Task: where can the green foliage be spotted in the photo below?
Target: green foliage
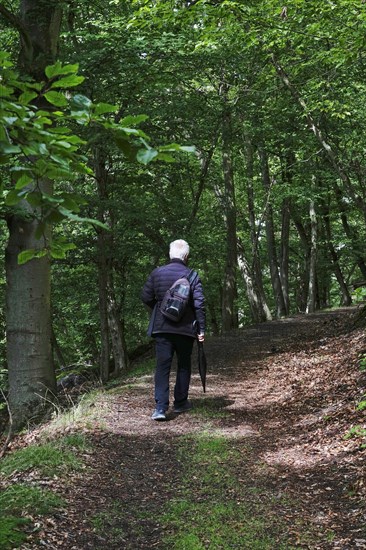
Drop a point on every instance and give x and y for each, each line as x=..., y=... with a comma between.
x=359, y=295
x=37, y=144
x=11, y=535
x=361, y=406
x=362, y=363
x=27, y=499
x=48, y=459
x=357, y=432
x=22, y=500
x=172, y=64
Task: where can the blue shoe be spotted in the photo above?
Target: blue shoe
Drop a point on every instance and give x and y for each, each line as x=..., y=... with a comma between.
x=187, y=406
x=158, y=415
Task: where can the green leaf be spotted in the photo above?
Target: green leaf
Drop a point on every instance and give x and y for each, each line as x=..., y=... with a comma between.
x=5, y=91
x=146, y=155
x=78, y=199
x=166, y=157
x=8, y=149
x=59, y=249
x=10, y=119
x=132, y=120
x=53, y=217
x=64, y=144
x=170, y=147
x=128, y=149
x=102, y=108
x=56, y=98
x=27, y=97
x=60, y=130
x=34, y=198
x=80, y=102
x=23, y=181
x=39, y=232
x=3, y=135
x=26, y=255
x=70, y=204
x=12, y=198
x=188, y=148
x=177, y=147
x=57, y=69
x=68, y=82
x=77, y=218
x=75, y=140
x=30, y=254
x=130, y=131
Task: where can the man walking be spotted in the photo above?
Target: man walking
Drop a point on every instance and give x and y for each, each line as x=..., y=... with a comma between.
x=174, y=336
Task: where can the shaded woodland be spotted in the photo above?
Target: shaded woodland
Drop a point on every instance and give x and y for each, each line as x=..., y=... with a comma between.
x=239, y=127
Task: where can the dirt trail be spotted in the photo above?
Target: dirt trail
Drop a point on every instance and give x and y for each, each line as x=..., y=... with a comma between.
x=289, y=388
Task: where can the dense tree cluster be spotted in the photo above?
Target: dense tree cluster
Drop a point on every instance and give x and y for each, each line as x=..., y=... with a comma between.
x=272, y=200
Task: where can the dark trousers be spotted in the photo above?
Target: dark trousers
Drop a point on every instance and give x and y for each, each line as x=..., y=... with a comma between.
x=166, y=345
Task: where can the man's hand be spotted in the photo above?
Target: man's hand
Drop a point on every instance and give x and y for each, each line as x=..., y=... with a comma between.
x=201, y=337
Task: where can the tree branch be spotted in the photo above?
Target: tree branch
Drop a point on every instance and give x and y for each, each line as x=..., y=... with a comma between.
x=314, y=127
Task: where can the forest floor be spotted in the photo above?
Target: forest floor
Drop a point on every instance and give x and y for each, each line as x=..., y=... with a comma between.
x=284, y=395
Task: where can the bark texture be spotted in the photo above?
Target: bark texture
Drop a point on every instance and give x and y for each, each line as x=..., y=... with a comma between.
x=28, y=304
x=28, y=325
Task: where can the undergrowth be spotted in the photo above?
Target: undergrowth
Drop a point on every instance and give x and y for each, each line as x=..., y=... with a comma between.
x=20, y=503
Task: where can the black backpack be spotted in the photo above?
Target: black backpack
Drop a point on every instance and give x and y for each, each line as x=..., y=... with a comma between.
x=176, y=298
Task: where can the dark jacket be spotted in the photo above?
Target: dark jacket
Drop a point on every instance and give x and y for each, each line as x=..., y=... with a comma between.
x=158, y=282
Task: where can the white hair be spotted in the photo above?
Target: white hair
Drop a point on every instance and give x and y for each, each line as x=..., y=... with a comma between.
x=179, y=249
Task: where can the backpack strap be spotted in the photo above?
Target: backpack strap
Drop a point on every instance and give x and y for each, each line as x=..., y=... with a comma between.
x=192, y=276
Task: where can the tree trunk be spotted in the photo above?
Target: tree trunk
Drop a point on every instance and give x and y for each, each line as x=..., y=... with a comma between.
x=116, y=330
x=103, y=308
x=310, y=307
x=271, y=243
x=301, y=289
x=259, y=307
x=28, y=305
x=259, y=310
x=111, y=325
x=40, y=24
x=205, y=161
x=285, y=252
x=346, y=299
x=57, y=351
x=32, y=379
x=357, y=248
x=229, y=316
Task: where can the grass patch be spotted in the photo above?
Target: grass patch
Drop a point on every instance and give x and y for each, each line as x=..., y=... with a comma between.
x=16, y=502
x=86, y=413
x=213, y=509
x=11, y=535
x=28, y=499
x=218, y=525
x=209, y=410
x=48, y=459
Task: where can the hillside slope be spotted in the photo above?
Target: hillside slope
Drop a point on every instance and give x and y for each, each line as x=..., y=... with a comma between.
x=283, y=394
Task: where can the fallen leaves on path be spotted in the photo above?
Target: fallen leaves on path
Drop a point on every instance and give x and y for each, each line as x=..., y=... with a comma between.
x=287, y=389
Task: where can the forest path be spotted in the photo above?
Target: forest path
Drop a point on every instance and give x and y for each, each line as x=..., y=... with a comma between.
x=283, y=394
